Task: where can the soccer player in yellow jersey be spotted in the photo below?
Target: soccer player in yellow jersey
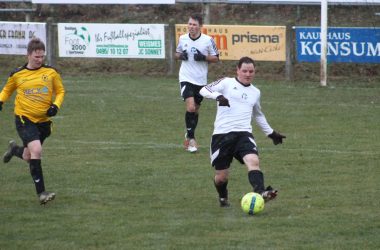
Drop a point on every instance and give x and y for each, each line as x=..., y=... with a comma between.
x=39, y=95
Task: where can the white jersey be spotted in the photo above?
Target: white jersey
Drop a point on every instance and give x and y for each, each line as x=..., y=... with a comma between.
x=193, y=71
x=244, y=105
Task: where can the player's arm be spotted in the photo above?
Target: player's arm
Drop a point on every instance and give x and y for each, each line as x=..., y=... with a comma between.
x=263, y=124
x=59, y=91
x=213, y=56
x=8, y=89
x=180, y=53
x=261, y=120
x=212, y=59
x=214, y=91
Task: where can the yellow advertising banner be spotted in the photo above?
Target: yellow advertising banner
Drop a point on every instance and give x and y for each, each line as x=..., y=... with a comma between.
x=262, y=43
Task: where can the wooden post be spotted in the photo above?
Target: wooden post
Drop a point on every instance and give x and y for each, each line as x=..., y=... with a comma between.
x=171, y=47
x=50, y=43
x=290, y=52
x=206, y=13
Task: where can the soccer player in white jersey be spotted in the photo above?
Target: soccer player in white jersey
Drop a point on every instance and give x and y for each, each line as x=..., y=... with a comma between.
x=238, y=103
x=196, y=50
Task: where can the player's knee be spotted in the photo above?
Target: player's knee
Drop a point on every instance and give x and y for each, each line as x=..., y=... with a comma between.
x=221, y=176
x=35, y=149
x=26, y=155
x=191, y=109
x=35, y=153
x=252, y=162
x=191, y=106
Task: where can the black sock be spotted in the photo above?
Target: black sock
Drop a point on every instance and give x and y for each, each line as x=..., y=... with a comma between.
x=191, y=119
x=36, y=172
x=256, y=178
x=18, y=151
x=221, y=188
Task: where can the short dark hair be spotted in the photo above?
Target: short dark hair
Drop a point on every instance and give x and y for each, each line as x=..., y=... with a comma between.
x=35, y=44
x=247, y=60
x=197, y=17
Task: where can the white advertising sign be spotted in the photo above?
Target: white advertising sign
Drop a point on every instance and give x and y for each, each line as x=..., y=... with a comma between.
x=105, y=2
x=313, y=2
x=111, y=40
x=15, y=36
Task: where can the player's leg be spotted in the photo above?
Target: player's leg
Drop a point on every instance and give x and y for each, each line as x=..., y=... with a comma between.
x=191, y=120
x=13, y=148
x=193, y=110
x=248, y=154
x=256, y=177
x=35, y=149
x=221, y=182
x=30, y=135
x=44, y=129
x=188, y=92
x=222, y=147
x=33, y=135
x=191, y=116
x=198, y=98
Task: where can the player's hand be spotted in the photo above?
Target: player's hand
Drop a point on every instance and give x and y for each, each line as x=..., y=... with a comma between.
x=276, y=137
x=199, y=56
x=223, y=101
x=52, y=111
x=184, y=56
x=1, y=106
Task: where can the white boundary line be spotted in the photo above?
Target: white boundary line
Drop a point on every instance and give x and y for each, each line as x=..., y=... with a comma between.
x=371, y=104
x=112, y=145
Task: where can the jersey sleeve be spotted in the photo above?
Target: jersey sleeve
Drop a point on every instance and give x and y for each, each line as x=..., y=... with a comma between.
x=179, y=48
x=260, y=119
x=59, y=90
x=8, y=89
x=213, y=90
x=213, y=50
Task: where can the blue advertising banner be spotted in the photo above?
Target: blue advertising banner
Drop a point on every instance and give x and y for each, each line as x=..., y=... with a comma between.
x=356, y=45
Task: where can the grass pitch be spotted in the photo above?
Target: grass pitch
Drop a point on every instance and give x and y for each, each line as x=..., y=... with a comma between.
x=123, y=181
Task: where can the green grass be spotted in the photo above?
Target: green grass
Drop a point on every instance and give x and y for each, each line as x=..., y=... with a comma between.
x=123, y=180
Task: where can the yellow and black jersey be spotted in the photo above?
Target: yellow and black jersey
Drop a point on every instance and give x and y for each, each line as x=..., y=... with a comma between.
x=35, y=89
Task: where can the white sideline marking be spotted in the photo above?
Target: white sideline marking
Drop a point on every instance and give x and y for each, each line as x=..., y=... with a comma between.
x=129, y=144
x=113, y=145
x=332, y=151
x=345, y=105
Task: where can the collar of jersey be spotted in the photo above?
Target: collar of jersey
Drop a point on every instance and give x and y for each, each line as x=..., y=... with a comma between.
x=242, y=83
x=33, y=69
x=195, y=38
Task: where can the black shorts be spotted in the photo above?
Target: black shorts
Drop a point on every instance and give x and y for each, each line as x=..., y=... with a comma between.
x=30, y=131
x=225, y=147
x=191, y=90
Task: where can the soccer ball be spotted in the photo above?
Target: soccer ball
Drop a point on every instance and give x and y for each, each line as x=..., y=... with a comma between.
x=252, y=203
